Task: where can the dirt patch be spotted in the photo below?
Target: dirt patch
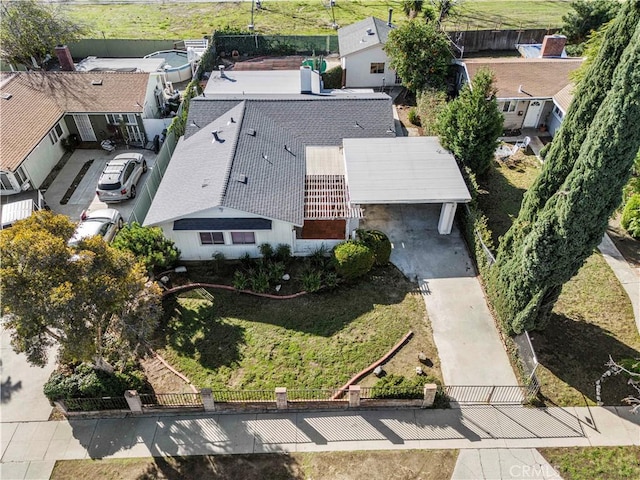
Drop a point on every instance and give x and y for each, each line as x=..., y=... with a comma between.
x=403, y=115
x=629, y=247
x=162, y=379
x=377, y=465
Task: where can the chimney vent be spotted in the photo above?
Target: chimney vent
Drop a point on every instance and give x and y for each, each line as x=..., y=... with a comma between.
x=251, y=132
x=65, y=59
x=6, y=96
x=389, y=24
x=216, y=137
x=369, y=31
x=553, y=46
x=97, y=82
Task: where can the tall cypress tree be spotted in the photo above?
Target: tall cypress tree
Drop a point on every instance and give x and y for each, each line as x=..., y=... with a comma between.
x=526, y=283
x=566, y=144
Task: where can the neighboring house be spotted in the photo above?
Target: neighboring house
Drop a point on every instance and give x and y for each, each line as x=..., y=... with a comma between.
x=20, y=206
x=278, y=167
x=40, y=109
x=364, y=62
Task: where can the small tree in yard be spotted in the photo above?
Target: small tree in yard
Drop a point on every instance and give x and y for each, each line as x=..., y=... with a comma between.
x=419, y=53
x=82, y=298
x=148, y=244
x=353, y=259
x=429, y=103
x=470, y=125
x=587, y=16
x=30, y=30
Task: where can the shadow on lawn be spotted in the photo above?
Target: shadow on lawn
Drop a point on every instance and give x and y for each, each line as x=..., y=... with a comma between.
x=576, y=352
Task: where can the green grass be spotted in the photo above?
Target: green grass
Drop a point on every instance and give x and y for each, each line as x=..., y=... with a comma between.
x=377, y=465
x=310, y=17
x=603, y=463
x=315, y=341
x=592, y=319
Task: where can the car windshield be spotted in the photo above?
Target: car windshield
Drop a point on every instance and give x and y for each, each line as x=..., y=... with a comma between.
x=88, y=228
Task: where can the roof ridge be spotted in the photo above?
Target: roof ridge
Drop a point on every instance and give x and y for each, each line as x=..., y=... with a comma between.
x=234, y=147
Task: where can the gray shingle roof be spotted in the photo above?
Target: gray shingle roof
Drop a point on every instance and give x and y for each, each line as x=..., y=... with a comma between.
x=274, y=186
x=355, y=37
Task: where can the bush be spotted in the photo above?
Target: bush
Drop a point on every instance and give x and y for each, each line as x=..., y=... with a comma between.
x=631, y=216
x=86, y=382
x=266, y=250
x=413, y=117
x=430, y=102
x=259, y=281
x=312, y=281
x=240, y=280
x=283, y=252
x=379, y=244
x=148, y=244
x=332, y=78
x=353, y=259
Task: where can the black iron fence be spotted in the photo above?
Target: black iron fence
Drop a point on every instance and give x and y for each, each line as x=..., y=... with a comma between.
x=95, y=404
x=171, y=400
x=244, y=395
x=303, y=395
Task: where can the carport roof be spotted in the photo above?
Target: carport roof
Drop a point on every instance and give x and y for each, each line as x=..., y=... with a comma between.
x=402, y=170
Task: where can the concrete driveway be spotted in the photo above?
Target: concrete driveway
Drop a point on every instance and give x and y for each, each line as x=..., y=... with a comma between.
x=84, y=197
x=469, y=346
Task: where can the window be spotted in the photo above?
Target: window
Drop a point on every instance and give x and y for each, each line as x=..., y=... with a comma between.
x=55, y=133
x=128, y=171
x=211, y=238
x=116, y=118
x=5, y=183
x=58, y=130
x=21, y=176
x=509, y=106
x=243, y=238
x=557, y=112
x=377, y=68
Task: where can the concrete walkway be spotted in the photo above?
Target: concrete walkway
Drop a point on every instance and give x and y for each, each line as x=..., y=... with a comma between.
x=469, y=347
x=29, y=450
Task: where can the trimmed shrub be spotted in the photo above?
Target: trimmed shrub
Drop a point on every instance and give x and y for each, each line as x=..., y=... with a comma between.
x=631, y=216
x=332, y=78
x=379, y=244
x=148, y=244
x=266, y=250
x=283, y=253
x=86, y=382
x=353, y=259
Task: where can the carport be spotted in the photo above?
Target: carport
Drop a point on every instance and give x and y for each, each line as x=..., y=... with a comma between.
x=409, y=170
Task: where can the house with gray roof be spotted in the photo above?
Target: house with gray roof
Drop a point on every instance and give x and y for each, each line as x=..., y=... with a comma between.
x=364, y=62
x=258, y=168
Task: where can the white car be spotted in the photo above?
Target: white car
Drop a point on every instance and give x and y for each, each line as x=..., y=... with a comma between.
x=120, y=176
x=104, y=222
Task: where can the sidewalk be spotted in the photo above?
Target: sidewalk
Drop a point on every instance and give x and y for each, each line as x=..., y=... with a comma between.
x=34, y=446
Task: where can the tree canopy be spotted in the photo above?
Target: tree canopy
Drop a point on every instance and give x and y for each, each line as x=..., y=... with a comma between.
x=81, y=298
x=470, y=125
x=587, y=16
x=148, y=244
x=31, y=29
x=548, y=243
x=419, y=53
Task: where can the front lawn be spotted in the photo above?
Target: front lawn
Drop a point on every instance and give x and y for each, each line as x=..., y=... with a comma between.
x=587, y=463
x=592, y=319
x=377, y=465
x=315, y=341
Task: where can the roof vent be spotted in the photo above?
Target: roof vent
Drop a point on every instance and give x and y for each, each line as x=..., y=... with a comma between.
x=96, y=82
x=242, y=178
x=231, y=121
x=216, y=137
x=369, y=31
x=251, y=131
x=6, y=96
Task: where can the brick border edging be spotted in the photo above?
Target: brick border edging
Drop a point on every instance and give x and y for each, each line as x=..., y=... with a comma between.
x=371, y=367
x=192, y=286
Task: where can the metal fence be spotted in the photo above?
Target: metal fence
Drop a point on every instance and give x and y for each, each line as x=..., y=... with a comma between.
x=490, y=394
x=95, y=404
x=171, y=400
x=244, y=395
x=528, y=356
x=301, y=395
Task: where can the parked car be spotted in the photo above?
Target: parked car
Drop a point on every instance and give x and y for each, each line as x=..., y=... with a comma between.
x=105, y=222
x=120, y=176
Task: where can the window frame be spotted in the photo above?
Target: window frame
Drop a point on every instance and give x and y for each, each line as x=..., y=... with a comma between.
x=53, y=135
x=509, y=106
x=4, y=180
x=20, y=175
x=557, y=112
x=244, y=242
x=213, y=240
x=375, y=68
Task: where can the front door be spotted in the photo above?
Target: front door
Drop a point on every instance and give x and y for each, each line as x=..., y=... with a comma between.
x=533, y=114
x=84, y=128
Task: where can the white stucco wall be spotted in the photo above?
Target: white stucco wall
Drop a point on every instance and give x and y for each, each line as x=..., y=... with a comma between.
x=43, y=158
x=188, y=241
x=358, y=67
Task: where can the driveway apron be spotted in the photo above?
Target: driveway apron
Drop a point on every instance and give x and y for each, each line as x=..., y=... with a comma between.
x=470, y=349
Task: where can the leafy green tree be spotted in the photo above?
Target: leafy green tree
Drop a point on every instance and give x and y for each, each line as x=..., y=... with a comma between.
x=589, y=94
x=31, y=29
x=412, y=8
x=148, y=244
x=444, y=9
x=587, y=16
x=420, y=54
x=470, y=125
x=81, y=298
x=526, y=283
